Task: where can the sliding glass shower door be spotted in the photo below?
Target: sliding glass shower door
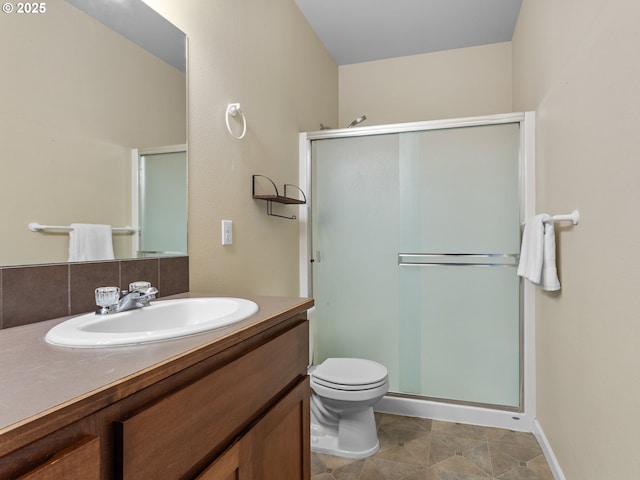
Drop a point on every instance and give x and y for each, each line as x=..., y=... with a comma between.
x=162, y=183
x=415, y=238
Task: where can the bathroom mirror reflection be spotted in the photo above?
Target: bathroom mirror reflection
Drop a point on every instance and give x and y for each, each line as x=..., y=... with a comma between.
x=78, y=101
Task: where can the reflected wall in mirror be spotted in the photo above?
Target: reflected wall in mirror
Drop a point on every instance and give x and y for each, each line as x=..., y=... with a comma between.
x=77, y=100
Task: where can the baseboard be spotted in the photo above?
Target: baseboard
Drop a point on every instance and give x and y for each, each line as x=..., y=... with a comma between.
x=454, y=413
x=548, y=452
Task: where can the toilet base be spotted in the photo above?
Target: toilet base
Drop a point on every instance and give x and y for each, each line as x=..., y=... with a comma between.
x=354, y=436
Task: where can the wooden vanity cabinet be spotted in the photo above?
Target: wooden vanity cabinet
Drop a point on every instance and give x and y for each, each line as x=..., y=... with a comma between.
x=241, y=412
x=174, y=436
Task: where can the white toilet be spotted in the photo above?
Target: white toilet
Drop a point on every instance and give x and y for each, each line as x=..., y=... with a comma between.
x=344, y=391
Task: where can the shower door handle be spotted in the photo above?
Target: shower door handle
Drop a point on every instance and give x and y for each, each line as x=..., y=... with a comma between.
x=459, y=259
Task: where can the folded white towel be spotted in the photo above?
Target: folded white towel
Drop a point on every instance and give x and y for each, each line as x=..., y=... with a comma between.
x=89, y=242
x=538, y=253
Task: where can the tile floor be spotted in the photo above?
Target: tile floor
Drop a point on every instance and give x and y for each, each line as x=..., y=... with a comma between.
x=423, y=449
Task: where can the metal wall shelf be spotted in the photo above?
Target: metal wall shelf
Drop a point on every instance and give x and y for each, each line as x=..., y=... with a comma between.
x=276, y=197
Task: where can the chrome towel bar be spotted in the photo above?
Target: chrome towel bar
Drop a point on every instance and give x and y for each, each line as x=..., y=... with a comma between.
x=36, y=227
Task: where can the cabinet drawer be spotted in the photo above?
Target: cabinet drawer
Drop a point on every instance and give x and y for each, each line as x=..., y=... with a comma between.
x=181, y=431
x=81, y=460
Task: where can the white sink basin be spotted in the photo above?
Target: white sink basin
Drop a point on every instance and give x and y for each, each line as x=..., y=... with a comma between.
x=162, y=320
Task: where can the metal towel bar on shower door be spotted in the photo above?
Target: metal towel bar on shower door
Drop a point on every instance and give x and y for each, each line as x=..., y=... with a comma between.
x=459, y=259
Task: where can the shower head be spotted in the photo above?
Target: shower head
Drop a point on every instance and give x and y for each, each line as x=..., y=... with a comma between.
x=358, y=120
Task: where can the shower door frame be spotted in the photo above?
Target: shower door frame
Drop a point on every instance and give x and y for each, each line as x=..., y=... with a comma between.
x=521, y=420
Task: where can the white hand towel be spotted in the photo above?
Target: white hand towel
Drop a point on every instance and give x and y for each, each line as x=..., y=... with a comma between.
x=538, y=253
x=89, y=242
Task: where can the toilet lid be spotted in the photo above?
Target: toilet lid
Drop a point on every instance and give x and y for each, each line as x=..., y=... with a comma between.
x=350, y=372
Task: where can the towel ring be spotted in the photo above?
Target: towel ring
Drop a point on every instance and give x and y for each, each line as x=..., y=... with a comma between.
x=232, y=110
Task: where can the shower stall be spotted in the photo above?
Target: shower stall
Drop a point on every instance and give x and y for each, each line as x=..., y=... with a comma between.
x=409, y=246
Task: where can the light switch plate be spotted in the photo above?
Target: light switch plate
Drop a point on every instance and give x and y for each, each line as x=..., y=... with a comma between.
x=227, y=232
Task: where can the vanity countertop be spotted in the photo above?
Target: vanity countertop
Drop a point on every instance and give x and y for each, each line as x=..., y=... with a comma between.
x=41, y=380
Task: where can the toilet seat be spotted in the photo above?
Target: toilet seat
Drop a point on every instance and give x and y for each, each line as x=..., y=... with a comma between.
x=350, y=388
x=350, y=374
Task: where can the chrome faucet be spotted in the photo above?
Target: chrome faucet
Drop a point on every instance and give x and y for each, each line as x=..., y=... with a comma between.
x=139, y=295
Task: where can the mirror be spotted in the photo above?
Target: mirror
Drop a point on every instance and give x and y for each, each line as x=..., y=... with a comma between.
x=78, y=100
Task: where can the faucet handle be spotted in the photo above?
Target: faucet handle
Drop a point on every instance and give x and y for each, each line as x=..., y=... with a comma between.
x=143, y=289
x=139, y=285
x=107, y=296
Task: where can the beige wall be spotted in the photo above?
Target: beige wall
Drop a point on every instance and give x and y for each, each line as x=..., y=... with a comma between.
x=75, y=97
x=450, y=84
x=576, y=63
x=263, y=54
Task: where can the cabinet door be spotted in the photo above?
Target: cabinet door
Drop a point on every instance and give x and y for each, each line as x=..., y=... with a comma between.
x=278, y=447
x=226, y=466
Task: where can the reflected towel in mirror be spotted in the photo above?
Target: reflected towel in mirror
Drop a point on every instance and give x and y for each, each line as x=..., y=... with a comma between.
x=89, y=242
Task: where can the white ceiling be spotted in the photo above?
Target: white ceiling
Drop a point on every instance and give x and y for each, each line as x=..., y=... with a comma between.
x=356, y=31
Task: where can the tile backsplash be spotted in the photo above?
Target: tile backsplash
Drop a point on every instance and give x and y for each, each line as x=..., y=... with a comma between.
x=35, y=293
